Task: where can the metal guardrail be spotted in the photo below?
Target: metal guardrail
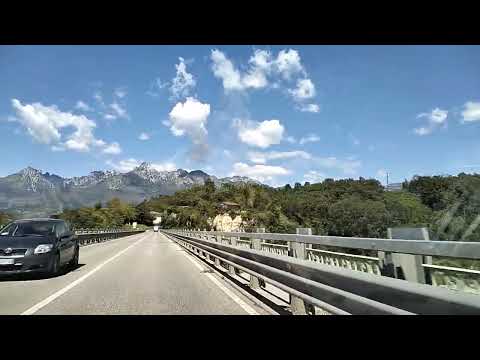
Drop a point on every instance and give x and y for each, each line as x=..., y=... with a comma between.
x=335, y=289
x=91, y=236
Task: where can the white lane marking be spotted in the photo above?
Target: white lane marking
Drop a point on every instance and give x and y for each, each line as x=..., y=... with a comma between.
x=234, y=297
x=60, y=292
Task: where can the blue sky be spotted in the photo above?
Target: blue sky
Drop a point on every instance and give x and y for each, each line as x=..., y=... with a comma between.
x=276, y=113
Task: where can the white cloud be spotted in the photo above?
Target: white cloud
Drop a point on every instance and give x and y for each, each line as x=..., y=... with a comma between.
x=109, y=117
x=190, y=118
x=258, y=172
x=124, y=165
x=118, y=110
x=166, y=166
x=260, y=134
x=113, y=149
x=304, y=90
x=127, y=165
x=313, y=108
x=471, y=111
x=144, y=136
x=227, y=153
x=183, y=82
x=224, y=69
x=314, y=176
x=44, y=124
x=156, y=86
x=348, y=166
x=435, y=118
x=261, y=66
x=80, y=105
x=288, y=63
x=264, y=157
x=120, y=92
x=309, y=138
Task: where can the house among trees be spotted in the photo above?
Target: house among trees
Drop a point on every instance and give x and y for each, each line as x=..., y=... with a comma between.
x=228, y=205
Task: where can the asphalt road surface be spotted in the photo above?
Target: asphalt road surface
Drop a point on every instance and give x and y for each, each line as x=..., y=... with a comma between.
x=143, y=274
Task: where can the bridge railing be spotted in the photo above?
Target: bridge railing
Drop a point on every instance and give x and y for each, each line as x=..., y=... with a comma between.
x=91, y=236
x=390, y=266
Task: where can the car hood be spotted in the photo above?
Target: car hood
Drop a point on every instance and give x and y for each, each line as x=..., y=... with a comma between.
x=23, y=241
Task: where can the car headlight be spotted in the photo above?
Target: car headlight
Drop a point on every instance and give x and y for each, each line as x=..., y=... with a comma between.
x=42, y=249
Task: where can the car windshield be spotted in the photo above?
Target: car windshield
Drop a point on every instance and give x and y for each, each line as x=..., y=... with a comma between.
x=34, y=228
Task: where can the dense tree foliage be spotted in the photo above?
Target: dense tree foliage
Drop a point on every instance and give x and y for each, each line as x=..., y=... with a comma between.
x=448, y=205
x=4, y=219
x=115, y=214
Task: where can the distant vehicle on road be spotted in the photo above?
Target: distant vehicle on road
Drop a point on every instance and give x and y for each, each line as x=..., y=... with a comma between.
x=155, y=228
x=37, y=246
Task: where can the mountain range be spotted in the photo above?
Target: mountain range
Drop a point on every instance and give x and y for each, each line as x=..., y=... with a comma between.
x=34, y=193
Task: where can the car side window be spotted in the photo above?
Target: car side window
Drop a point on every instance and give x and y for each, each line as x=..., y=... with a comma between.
x=60, y=229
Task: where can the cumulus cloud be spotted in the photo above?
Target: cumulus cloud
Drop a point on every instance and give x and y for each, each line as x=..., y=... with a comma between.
x=258, y=172
x=262, y=65
x=183, y=82
x=471, y=111
x=304, y=90
x=46, y=123
x=314, y=176
x=224, y=69
x=309, y=138
x=80, y=105
x=190, y=119
x=264, y=157
x=127, y=165
x=288, y=63
x=261, y=134
x=436, y=118
x=144, y=136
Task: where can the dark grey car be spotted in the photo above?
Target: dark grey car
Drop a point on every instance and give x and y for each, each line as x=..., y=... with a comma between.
x=37, y=246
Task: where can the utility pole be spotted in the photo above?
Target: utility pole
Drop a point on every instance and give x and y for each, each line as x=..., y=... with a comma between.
x=387, y=179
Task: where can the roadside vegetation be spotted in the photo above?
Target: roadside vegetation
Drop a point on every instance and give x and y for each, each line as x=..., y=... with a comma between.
x=448, y=205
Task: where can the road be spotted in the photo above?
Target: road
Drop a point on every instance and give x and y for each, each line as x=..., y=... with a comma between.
x=143, y=274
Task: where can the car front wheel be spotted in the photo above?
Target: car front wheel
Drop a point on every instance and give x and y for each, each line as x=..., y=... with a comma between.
x=54, y=265
x=74, y=262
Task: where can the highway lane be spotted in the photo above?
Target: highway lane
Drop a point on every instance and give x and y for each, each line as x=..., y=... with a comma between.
x=140, y=274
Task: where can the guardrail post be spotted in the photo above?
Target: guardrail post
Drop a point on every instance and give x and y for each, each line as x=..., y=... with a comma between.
x=231, y=268
x=298, y=250
x=256, y=244
x=218, y=239
x=406, y=266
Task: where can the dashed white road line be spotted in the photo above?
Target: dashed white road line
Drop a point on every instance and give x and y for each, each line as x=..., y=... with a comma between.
x=62, y=291
x=229, y=293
